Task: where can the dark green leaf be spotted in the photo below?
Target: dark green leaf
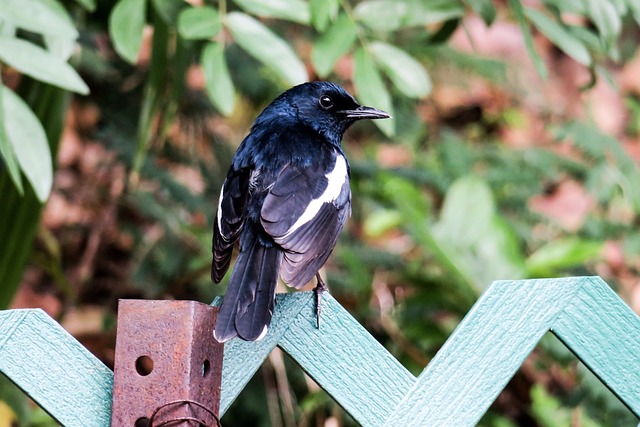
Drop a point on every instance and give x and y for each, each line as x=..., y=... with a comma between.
x=407, y=74
x=562, y=38
x=6, y=150
x=444, y=33
x=484, y=8
x=518, y=11
x=371, y=89
x=14, y=400
x=266, y=47
x=26, y=135
x=42, y=17
x=390, y=15
x=291, y=10
x=168, y=10
x=40, y=64
x=334, y=43
x=126, y=24
x=199, y=23
x=219, y=85
x=323, y=12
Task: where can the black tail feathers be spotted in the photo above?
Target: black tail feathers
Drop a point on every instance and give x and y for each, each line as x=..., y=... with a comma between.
x=247, y=307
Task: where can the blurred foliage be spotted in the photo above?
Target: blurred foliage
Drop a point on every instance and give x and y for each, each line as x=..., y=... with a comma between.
x=488, y=170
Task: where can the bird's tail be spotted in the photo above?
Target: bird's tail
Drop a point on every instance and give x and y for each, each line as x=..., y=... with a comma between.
x=247, y=307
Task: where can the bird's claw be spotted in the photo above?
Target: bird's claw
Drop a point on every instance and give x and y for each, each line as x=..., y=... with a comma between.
x=319, y=289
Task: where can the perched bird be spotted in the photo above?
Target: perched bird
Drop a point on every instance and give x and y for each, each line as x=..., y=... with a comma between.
x=285, y=199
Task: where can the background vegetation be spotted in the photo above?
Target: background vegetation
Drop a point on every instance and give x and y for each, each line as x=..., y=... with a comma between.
x=513, y=153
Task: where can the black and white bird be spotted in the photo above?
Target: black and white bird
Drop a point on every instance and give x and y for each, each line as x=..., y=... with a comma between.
x=285, y=199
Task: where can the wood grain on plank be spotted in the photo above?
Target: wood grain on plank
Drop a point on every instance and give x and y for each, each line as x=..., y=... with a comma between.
x=52, y=367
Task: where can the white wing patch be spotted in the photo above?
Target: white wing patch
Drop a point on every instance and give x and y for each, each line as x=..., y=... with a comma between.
x=336, y=179
x=263, y=333
x=220, y=210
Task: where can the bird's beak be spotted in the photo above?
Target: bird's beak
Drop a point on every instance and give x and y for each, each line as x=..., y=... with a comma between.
x=363, y=112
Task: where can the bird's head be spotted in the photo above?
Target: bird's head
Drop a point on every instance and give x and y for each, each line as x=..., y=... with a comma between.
x=325, y=107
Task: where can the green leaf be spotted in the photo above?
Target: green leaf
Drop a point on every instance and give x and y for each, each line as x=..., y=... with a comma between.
x=390, y=15
x=415, y=215
x=606, y=19
x=39, y=16
x=168, y=10
x=266, y=47
x=380, y=221
x=556, y=255
x=484, y=8
x=6, y=151
x=407, y=74
x=634, y=7
x=497, y=254
x=562, y=38
x=60, y=46
x=89, y=5
x=199, y=23
x=126, y=24
x=473, y=237
x=323, y=12
x=291, y=10
x=588, y=37
x=518, y=11
x=566, y=6
x=334, y=43
x=456, y=224
x=40, y=64
x=26, y=135
x=371, y=89
x=218, y=81
x=550, y=412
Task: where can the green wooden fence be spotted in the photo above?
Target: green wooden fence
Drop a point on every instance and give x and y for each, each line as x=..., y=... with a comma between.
x=456, y=388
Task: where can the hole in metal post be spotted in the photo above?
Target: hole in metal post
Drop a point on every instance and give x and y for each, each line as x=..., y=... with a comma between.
x=142, y=422
x=206, y=367
x=144, y=365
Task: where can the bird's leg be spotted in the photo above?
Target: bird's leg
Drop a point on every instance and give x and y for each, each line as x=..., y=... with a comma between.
x=319, y=289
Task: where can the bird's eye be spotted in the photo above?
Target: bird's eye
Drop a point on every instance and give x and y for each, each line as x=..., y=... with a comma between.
x=326, y=102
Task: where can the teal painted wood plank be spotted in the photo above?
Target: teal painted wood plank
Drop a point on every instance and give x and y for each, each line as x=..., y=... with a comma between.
x=347, y=362
x=54, y=369
x=604, y=333
x=455, y=389
x=484, y=352
x=242, y=359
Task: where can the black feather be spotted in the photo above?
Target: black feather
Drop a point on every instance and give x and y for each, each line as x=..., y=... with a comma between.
x=248, y=304
x=232, y=204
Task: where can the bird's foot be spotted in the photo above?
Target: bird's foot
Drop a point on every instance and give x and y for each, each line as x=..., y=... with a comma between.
x=319, y=289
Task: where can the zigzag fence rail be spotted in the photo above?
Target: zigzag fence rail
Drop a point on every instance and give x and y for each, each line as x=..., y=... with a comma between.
x=456, y=388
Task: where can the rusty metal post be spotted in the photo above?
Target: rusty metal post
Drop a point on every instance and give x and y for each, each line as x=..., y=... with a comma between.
x=167, y=366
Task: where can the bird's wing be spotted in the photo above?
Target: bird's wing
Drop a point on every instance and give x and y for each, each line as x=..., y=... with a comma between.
x=304, y=212
x=229, y=219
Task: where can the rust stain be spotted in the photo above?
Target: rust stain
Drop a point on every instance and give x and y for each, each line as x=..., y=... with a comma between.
x=168, y=366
